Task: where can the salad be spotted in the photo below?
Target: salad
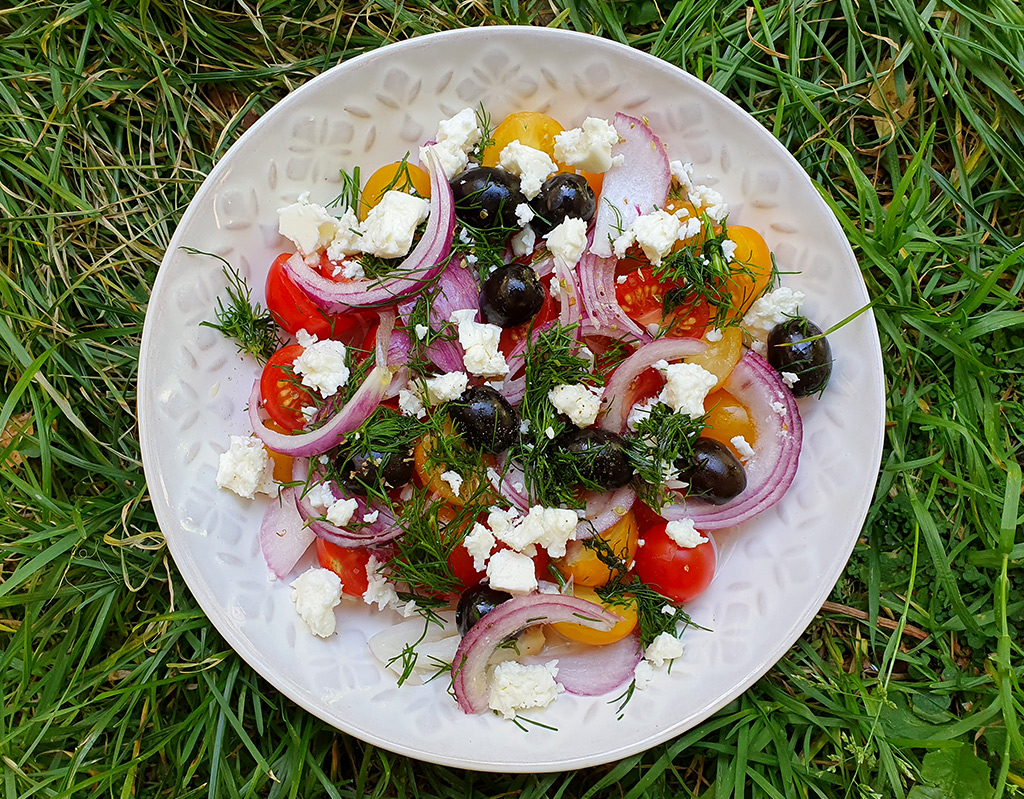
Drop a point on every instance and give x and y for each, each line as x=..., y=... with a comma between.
x=523, y=375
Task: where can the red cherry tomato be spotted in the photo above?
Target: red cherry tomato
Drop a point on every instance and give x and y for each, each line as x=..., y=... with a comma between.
x=465, y=572
x=642, y=297
x=293, y=310
x=348, y=564
x=680, y=573
x=511, y=336
x=283, y=397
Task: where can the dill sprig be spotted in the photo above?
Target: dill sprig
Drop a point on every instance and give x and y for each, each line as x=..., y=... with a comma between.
x=658, y=443
x=553, y=477
x=655, y=612
x=351, y=191
x=483, y=249
x=252, y=327
x=419, y=319
x=483, y=119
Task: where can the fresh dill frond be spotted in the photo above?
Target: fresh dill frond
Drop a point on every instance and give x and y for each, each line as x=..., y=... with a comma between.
x=483, y=249
x=419, y=321
x=402, y=180
x=659, y=441
x=655, y=612
x=483, y=120
x=252, y=327
x=351, y=191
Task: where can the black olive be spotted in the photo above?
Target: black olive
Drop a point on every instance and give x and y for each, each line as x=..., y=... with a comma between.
x=599, y=456
x=486, y=197
x=562, y=196
x=475, y=603
x=810, y=361
x=485, y=419
x=714, y=474
x=378, y=469
x=512, y=295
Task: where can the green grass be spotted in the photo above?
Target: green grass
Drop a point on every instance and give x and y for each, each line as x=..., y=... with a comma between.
x=906, y=685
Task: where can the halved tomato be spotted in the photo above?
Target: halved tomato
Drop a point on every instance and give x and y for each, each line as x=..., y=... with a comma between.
x=283, y=396
x=399, y=176
x=294, y=311
x=642, y=296
x=348, y=564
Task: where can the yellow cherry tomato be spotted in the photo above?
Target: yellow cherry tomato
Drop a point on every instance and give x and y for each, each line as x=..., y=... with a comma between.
x=399, y=176
x=428, y=468
x=752, y=267
x=282, y=463
x=531, y=128
x=581, y=562
x=727, y=418
x=719, y=357
x=624, y=607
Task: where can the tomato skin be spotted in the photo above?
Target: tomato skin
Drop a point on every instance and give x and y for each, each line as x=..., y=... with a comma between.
x=582, y=564
x=727, y=418
x=625, y=607
x=530, y=128
x=294, y=311
x=399, y=176
x=348, y=564
x=680, y=573
x=753, y=255
x=282, y=398
x=642, y=296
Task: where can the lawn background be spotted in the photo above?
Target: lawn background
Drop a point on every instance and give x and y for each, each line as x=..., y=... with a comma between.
x=910, y=119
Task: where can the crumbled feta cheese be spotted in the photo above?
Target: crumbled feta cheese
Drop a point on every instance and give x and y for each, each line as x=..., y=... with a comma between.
x=371, y=517
x=322, y=366
x=480, y=341
x=320, y=495
x=579, y=402
x=550, y=528
x=451, y=158
x=690, y=228
x=524, y=242
x=351, y=269
x=307, y=225
x=567, y=241
x=379, y=590
x=531, y=165
x=344, y=242
x=316, y=593
x=461, y=130
x=790, y=378
x=514, y=686
x=621, y=279
x=662, y=649
x=772, y=309
x=446, y=387
x=524, y=426
x=245, y=468
x=410, y=403
x=713, y=335
x=479, y=542
x=682, y=174
x=549, y=432
x=656, y=233
x=511, y=571
x=709, y=202
x=686, y=386
x=778, y=408
x=389, y=227
x=640, y=412
x=421, y=331
x=742, y=447
x=643, y=674
x=454, y=481
x=588, y=147
x=524, y=214
x=341, y=511
x=728, y=250
x=684, y=534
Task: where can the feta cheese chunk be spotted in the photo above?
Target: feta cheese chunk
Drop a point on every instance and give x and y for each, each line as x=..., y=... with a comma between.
x=480, y=341
x=389, y=227
x=524, y=241
x=567, y=242
x=479, y=542
x=684, y=534
x=379, y=590
x=550, y=528
x=656, y=232
x=322, y=366
x=524, y=214
x=531, y=165
x=742, y=447
x=588, y=147
x=446, y=387
x=245, y=468
x=341, y=511
x=772, y=309
x=511, y=571
x=455, y=139
x=307, y=225
x=410, y=403
x=662, y=649
x=454, y=481
x=514, y=686
x=316, y=593
x=643, y=674
x=346, y=242
x=579, y=402
x=686, y=386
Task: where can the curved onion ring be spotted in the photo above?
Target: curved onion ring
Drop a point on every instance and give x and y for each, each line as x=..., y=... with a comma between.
x=589, y=670
x=597, y=285
x=617, y=390
x=420, y=266
x=772, y=467
x=469, y=668
x=604, y=510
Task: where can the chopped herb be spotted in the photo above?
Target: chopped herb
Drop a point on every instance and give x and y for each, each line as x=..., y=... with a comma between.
x=252, y=327
x=659, y=441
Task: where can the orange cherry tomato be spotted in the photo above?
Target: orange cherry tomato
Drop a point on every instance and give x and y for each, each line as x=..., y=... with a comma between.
x=582, y=564
x=624, y=607
x=719, y=357
x=531, y=129
x=399, y=176
x=727, y=418
x=752, y=267
x=282, y=462
x=282, y=395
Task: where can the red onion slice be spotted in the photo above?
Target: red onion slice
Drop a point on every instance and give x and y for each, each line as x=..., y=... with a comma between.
x=283, y=536
x=456, y=291
x=634, y=188
x=604, y=510
x=469, y=668
x=352, y=414
x=616, y=392
x=772, y=467
x=588, y=670
x=420, y=266
x=601, y=306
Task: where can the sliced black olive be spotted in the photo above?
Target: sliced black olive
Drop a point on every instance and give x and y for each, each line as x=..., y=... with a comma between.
x=378, y=470
x=486, y=197
x=475, y=603
x=562, y=196
x=485, y=419
x=599, y=456
x=512, y=295
x=714, y=474
x=810, y=361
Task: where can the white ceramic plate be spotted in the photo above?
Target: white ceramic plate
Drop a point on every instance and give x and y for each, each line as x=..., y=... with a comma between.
x=193, y=387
